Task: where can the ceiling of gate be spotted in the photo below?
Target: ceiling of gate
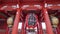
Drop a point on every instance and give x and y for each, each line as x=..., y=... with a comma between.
x=29, y=1
x=4, y=3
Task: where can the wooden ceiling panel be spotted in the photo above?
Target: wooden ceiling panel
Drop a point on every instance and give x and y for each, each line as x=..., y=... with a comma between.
x=15, y=1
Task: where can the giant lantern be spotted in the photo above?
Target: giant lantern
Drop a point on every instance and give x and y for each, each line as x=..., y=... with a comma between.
x=10, y=21
x=54, y=20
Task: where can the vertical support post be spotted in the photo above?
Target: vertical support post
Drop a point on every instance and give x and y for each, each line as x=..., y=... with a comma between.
x=38, y=29
x=47, y=21
x=58, y=30
x=41, y=31
x=7, y=30
x=17, y=19
x=40, y=21
x=23, y=29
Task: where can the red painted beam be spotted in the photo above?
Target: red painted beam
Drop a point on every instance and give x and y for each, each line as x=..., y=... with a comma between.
x=49, y=29
x=54, y=7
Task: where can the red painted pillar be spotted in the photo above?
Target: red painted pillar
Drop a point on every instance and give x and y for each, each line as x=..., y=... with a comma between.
x=23, y=28
x=17, y=19
x=41, y=31
x=49, y=29
x=58, y=28
x=40, y=21
x=7, y=30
